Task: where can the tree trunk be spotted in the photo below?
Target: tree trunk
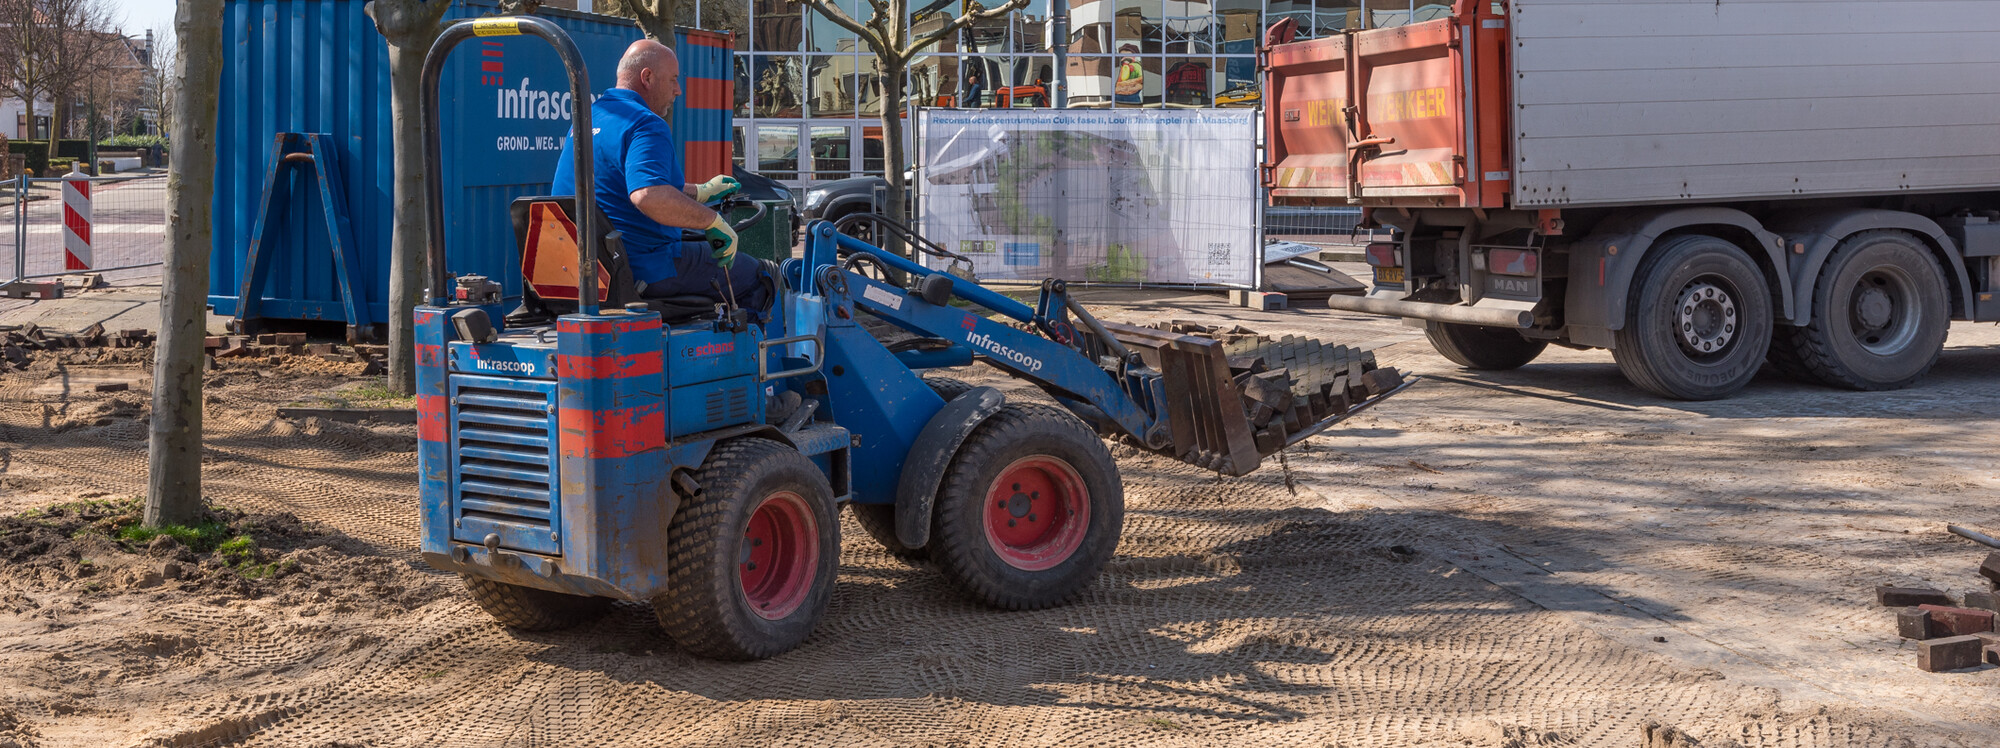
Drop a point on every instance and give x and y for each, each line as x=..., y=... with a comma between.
x=408, y=238
x=173, y=481
x=893, y=159
x=410, y=26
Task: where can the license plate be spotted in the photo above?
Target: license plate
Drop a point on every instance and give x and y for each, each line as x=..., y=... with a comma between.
x=1388, y=275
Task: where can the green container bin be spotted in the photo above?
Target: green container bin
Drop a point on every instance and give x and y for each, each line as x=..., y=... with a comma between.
x=771, y=237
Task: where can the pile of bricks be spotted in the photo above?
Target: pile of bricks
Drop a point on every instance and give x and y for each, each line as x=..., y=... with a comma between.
x=19, y=341
x=294, y=344
x=1950, y=635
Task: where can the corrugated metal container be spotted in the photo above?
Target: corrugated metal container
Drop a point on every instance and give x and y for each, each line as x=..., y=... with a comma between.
x=319, y=66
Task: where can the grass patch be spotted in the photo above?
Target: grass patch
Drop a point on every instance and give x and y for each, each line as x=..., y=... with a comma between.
x=1163, y=723
x=201, y=538
x=375, y=394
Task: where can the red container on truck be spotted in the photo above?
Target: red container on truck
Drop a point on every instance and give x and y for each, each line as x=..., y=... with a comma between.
x=1697, y=187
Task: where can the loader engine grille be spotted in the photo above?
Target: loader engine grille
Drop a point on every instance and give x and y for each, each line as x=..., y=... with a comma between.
x=504, y=475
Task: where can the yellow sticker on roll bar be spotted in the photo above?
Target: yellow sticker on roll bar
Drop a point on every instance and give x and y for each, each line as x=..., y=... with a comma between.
x=496, y=27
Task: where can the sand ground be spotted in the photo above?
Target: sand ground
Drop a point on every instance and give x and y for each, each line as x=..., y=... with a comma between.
x=1544, y=557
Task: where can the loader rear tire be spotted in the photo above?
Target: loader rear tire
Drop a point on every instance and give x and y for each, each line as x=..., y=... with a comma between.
x=1030, y=509
x=753, y=555
x=1483, y=348
x=530, y=608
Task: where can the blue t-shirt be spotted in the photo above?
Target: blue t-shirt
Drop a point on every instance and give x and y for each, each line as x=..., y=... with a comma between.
x=634, y=150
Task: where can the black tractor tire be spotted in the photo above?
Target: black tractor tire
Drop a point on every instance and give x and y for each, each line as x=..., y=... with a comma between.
x=947, y=387
x=1483, y=348
x=1056, y=544
x=530, y=608
x=879, y=520
x=1880, y=314
x=711, y=608
x=1698, y=320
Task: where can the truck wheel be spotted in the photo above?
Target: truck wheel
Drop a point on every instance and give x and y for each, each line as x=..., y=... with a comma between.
x=1030, y=509
x=1880, y=315
x=532, y=609
x=1698, y=322
x=753, y=556
x=879, y=520
x=1483, y=348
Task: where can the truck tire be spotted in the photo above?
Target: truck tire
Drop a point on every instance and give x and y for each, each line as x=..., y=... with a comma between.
x=530, y=608
x=1483, y=348
x=1698, y=321
x=879, y=520
x=1880, y=315
x=753, y=555
x=1030, y=509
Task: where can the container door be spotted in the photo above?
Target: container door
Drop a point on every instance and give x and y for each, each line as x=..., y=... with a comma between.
x=1306, y=127
x=1410, y=142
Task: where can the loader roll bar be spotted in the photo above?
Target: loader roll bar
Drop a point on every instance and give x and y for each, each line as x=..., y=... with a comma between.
x=579, y=90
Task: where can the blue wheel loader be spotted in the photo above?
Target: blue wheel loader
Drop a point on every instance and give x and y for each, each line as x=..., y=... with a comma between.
x=694, y=456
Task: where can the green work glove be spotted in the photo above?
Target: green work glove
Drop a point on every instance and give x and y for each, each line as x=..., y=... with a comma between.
x=716, y=189
x=723, y=239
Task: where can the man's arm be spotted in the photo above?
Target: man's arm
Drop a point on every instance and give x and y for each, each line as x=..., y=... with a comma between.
x=672, y=207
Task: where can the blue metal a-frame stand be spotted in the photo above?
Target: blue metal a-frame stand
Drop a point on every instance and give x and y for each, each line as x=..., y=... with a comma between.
x=316, y=153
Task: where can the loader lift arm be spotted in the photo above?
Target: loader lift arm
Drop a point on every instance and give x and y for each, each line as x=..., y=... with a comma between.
x=1173, y=394
x=1115, y=390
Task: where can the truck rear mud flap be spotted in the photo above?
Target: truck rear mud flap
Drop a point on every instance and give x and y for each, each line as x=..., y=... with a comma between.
x=1235, y=397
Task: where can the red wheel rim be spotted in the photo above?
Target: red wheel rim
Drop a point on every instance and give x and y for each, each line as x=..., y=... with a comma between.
x=1037, y=510
x=780, y=555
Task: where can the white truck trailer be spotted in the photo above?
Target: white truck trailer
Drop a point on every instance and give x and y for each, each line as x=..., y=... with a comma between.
x=1697, y=186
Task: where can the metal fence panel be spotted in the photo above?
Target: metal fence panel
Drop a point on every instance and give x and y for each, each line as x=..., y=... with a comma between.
x=127, y=226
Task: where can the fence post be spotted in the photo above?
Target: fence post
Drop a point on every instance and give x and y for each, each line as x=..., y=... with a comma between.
x=21, y=225
x=76, y=219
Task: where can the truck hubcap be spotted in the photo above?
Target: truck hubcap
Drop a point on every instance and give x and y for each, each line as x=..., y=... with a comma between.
x=1037, y=510
x=1706, y=318
x=1879, y=312
x=780, y=555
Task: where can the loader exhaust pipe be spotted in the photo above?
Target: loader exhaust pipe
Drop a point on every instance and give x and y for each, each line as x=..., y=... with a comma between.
x=1452, y=313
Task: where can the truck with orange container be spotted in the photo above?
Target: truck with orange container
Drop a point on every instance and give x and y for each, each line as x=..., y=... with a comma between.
x=1698, y=187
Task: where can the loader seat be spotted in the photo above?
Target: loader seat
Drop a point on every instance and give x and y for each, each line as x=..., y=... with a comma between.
x=545, y=237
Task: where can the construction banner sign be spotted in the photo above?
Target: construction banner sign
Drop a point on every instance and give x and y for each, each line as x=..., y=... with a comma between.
x=1113, y=196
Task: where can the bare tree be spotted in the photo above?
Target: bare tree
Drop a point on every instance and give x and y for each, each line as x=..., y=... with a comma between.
x=410, y=26
x=173, y=482
x=887, y=34
x=24, y=69
x=656, y=18
x=162, y=87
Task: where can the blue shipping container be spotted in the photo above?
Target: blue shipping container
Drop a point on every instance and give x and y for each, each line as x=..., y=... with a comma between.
x=318, y=66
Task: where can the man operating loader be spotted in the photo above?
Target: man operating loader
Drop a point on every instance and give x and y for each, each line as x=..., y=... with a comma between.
x=643, y=191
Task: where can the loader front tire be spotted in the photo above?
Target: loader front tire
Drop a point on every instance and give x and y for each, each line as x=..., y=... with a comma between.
x=532, y=609
x=1030, y=509
x=1483, y=348
x=753, y=555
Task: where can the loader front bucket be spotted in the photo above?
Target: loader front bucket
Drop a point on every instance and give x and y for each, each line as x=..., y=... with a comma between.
x=1234, y=397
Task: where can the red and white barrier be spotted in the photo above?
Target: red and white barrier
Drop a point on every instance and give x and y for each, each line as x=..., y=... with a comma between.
x=76, y=219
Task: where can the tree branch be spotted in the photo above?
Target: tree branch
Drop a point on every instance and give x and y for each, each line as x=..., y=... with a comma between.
x=919, y=44
x=877, y=42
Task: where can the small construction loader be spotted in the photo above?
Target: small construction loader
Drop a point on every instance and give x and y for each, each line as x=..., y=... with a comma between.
x=694, y=455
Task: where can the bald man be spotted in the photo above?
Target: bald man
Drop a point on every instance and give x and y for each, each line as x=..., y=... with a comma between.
x=643, y=190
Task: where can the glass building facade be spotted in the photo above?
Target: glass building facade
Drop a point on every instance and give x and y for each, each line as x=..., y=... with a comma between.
x=809, y=94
